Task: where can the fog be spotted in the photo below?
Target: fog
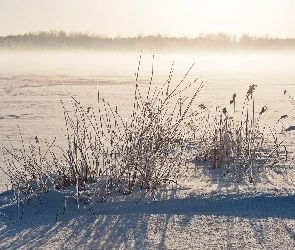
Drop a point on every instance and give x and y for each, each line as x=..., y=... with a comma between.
x=32, y=83
x=89, y=63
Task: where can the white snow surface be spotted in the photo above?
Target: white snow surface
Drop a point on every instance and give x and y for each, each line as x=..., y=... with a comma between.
x=205, y=212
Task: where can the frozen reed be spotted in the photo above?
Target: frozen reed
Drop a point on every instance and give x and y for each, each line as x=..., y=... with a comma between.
x=107, y=153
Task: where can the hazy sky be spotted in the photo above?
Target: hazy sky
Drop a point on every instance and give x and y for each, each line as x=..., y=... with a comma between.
x=150, y=17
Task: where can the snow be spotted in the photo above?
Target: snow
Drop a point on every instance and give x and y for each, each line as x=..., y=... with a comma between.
x=207, y=211
x=198, y=215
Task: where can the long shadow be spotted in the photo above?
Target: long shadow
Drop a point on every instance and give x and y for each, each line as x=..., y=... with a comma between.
x=259, y=207
x=126, y=225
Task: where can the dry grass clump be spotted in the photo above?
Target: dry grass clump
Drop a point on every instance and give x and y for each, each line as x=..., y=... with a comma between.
x=154, y=139
x=240, y=147
x=144, y=151
x=107, y=153
x=31, y=171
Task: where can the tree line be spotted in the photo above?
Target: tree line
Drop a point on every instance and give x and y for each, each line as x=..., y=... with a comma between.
x=208, y=42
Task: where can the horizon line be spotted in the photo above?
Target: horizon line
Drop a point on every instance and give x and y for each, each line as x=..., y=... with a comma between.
x=141, y=35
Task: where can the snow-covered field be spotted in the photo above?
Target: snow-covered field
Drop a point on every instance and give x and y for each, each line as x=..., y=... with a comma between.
x=205, y=212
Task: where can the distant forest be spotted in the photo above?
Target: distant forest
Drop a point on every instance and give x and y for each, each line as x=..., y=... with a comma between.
x=204, y=42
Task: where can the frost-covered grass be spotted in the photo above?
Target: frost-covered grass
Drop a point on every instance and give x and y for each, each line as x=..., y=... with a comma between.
x=238, y=144
x=158, y=179
x=107, y=154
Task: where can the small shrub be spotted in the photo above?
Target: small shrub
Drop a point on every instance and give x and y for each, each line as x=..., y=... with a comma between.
x=145, y=151
x=30, y=171
x=239, y=147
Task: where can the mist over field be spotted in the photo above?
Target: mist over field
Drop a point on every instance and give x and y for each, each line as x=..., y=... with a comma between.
x=38, y=88
x=33, y=82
